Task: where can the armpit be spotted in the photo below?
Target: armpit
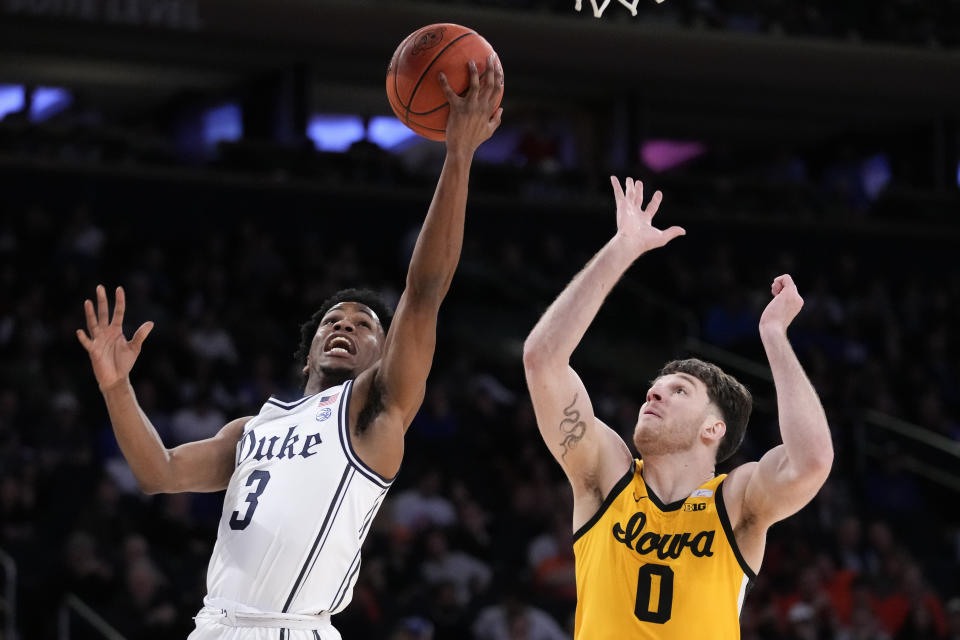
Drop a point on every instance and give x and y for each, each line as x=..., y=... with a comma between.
x=372, y=408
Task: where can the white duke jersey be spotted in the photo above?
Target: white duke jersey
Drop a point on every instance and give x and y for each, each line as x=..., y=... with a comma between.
x=296, y=512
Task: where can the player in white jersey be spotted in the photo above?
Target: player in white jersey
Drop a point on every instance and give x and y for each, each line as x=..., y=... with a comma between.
x=305, y=479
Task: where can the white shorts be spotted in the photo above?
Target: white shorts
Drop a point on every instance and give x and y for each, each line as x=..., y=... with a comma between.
x=225, y=622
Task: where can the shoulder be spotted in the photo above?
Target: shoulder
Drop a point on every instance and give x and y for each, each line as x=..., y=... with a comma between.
x=613, y=459
x=234, y=429
x=590, y=503
x=734, y=489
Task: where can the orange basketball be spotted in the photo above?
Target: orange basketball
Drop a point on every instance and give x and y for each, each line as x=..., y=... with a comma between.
x=412, y=86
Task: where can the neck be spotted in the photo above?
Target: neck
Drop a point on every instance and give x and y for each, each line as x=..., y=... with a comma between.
x=674, y=476
x=326, y=378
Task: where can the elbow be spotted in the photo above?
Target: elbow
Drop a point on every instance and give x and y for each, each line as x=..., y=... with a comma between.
x=820, y=462
x=536, y=353
x=532, y=353
x=825, y=461
x=149, y=488
x=153, y=485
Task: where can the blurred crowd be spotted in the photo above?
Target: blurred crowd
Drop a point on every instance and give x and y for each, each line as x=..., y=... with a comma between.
x=474, y=540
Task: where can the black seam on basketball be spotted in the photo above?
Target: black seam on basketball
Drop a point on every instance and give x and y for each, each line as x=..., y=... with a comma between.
x=398, y=54
x=423, y=75
x=445, y=104
x=420, y=126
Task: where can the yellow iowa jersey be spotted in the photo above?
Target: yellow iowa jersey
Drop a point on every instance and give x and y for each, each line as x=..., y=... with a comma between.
x=650, y=570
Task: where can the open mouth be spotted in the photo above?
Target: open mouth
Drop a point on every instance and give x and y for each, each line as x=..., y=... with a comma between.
x=339, y=345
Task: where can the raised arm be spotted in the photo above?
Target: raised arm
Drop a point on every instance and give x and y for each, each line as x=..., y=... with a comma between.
x=788, y=476
x=581, y=443
x=394, y=388
x=196, y=466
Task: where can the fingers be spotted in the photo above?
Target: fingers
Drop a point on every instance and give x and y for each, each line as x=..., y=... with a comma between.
x=495, y=119
x=498, y=72
x=141, y=334
x=102, y=317
x=119, y=306
x=90, y=315
x=654, y=205
x=674, y=232
x=84, y=340
x=490, y=81
x=445, y=86
x=782, y=282
x=634, y=195
x=474, y=77
x=617, y=190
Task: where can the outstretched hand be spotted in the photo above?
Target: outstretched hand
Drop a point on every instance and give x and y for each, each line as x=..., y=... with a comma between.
x=634, y=223
x=111, y=354
x=784, y=307
x=475, y=116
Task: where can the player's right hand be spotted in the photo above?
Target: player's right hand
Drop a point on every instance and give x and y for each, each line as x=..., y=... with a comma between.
x=111, y=354
x=474, y=117
x=634, y=223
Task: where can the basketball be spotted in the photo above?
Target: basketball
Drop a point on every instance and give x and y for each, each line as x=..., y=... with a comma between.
x=412, y=87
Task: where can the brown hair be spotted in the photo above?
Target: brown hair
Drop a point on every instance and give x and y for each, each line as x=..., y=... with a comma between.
x=725, y=391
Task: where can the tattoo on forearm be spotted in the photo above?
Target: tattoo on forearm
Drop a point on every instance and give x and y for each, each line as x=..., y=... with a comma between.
x=572, y=427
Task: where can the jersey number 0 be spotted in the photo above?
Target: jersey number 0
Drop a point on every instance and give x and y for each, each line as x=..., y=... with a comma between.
x=654, y=593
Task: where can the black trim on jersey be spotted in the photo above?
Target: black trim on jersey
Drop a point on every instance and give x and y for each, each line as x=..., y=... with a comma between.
x=335, y=514
x=345, y=583
x=288, y=405
x=728, y=530
x=368, y=519
x=673, y=506
x=349, y=582
x=327, y=520
x=616, y=491
x=352, y=457
x=281, y=633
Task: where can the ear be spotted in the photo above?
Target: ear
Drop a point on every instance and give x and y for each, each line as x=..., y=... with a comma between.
x=715, y=430
x=306, y=367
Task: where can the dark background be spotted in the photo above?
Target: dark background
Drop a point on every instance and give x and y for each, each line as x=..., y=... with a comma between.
x=821, y=139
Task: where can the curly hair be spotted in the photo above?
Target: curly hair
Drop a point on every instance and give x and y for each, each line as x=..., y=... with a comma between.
x=367, y=297
x=731, y=397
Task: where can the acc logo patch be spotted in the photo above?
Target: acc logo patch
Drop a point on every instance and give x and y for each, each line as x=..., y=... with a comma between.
x=324, y=414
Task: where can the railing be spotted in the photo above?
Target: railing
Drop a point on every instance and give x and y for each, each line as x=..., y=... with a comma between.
x=923, y=466
x=80, y=608
x=929, y=441
x=8, y=603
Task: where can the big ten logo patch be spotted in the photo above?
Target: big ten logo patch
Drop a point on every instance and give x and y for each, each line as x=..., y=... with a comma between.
x=695, y=506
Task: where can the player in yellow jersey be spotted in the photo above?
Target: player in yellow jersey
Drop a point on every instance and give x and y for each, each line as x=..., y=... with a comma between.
x=664, y=547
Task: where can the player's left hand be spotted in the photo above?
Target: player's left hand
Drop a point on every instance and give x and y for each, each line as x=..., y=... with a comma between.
x=784, y=307
x=474, y=117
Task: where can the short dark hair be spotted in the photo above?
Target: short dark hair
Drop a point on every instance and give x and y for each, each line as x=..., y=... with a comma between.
x=731, y=397
x=373, y=300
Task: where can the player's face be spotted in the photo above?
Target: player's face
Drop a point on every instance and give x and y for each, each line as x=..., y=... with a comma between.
x=349, y=338
x=676, y=408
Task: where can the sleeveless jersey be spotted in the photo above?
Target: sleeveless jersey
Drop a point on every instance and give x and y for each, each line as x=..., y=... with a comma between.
x=648, y=570
x=296, y=511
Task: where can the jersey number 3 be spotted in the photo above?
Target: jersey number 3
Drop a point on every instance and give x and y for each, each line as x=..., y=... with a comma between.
x=654, y=593
x=261, y=478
